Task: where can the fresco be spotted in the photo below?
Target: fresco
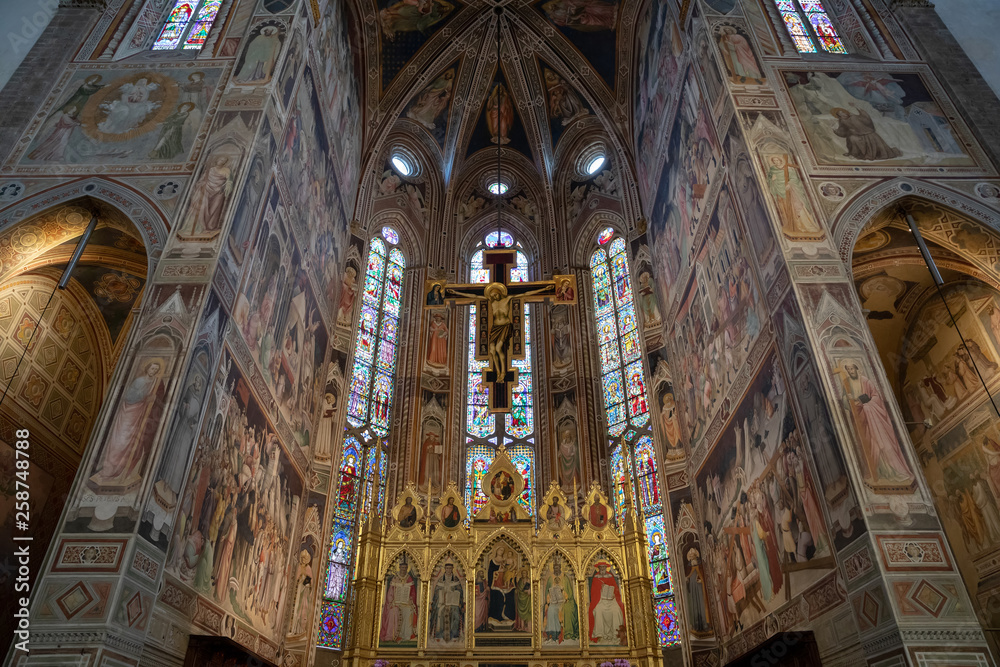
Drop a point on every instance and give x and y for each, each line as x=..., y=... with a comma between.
x=683, y=191
x=157, y=522
x=340, y=88
x=738, y=57
x=874, y=119
x=320, y=220
x=124, y=116
x=590, y=25
x=115, y=293
x=563, y=103
x=846, y=522
x=431, y=107
x=259, y=59
x=658, y=48
x=750, y=200
x=405, y=26
x=500, y=122
x=306, y=560
x=241, y=499
x=718, y=320
x=278, y=317
x=767, y=540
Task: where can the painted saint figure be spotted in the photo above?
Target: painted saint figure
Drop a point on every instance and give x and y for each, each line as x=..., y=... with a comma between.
x=785, y=185
x=123, y=453
x=863, y=140
x=260, y=57
x=447, y=607
x=399, y=612
x=883, y=458
x=561, y=614
x=499, y=115
x=606, y=612
x=211, y=193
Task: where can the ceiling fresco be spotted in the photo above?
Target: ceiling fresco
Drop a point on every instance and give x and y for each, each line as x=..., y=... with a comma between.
x=432, y=64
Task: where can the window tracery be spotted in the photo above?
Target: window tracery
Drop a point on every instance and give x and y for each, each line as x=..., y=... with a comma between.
x=518, y=426
x=633, y=457
x=189, y=21
x=820, y=29
x=361, y=485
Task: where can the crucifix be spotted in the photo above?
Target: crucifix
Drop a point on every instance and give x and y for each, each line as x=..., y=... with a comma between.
x=500, y=317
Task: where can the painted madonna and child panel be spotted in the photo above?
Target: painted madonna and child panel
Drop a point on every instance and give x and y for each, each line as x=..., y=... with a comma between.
x=874, y=118
x=766, y=538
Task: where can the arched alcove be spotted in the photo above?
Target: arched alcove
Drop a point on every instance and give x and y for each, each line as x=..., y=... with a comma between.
x=940, y=347
x=59, y=348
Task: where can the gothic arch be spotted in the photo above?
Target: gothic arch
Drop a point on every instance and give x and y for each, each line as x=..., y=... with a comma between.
x=868, y=204
x=503, y=534
x=415, y=562
x=116, y=206
x=585, y=242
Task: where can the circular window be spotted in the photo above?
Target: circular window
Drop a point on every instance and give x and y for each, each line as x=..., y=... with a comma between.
x=506, y=240
x=390, y=235
x=497, y=187
x=605, y=235
x=402, y=165
x=594, y=164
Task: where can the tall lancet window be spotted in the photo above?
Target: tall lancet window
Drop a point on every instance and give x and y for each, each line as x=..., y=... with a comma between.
x=361, y=483
x=188, y=23
x=484, y=432
x=633, y=456
x=820, y=29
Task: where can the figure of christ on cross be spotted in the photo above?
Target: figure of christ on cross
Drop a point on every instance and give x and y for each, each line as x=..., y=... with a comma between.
x=500, y=331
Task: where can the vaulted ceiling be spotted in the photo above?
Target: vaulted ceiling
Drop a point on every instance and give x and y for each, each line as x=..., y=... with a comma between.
x=430, y=72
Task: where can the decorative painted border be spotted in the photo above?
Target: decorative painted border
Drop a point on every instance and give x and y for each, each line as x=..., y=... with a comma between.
x=913, y=552
x=89, y=555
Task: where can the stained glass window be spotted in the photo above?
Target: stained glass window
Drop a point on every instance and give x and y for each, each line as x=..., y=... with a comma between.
x=816, y=18
x=518, y=426
x=622, y=374
x=361, y=476
x=179, y=23
x=633, y=460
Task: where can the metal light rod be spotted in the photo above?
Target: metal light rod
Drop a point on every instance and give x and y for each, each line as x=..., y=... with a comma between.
x=64, y=280
x=928, y=260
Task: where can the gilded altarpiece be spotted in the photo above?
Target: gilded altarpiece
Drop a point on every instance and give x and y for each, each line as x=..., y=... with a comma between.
x=568, y=584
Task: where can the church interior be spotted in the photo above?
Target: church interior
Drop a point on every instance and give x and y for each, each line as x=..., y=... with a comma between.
x=500, y=333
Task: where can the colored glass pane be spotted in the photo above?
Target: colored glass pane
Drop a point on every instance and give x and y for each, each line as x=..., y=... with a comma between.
x=605, y=235
x=796, y=28
x=478, y=461
x=506, y=240
x=203, y=24
x=619, y=478
x=613, y=389
x=390, y=235
x=331, y=625
x=656, y=543
x=648, y=481
x=631, y=349
x=668, y=630
x=381, y=403
x=523, y=458
x=175, y=26
x=822, y=26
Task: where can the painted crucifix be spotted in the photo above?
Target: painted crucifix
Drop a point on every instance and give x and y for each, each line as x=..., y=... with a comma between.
x=500, y=317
